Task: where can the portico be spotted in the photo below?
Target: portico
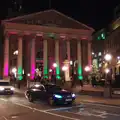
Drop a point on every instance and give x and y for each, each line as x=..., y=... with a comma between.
x=48, y=43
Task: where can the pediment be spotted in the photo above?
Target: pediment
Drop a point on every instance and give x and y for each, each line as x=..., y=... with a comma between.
x=49, y=18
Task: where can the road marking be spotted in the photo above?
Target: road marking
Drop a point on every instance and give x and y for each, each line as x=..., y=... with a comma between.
x=53, y=114
x=3, y=99
x=99, y=104
x=4, y=117
x=64, y=108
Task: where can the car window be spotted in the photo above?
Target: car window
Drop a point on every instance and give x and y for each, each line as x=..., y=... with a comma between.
x=40, y=87
x=53, y=88
x=4, y=83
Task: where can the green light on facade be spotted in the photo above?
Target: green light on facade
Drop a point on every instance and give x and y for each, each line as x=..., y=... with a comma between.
x=46, y=77
x=58, y=72
x=103, y=36
x=45, y=71
x=20, y=77
x=98, y=38
x=80, y=77
x=58, y=77
x=51, y=35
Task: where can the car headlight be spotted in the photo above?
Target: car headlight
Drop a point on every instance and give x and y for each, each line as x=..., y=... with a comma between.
x=1, y=88
x=12, y=88
x=37, y=85
x=73, y=95
x=57, y=96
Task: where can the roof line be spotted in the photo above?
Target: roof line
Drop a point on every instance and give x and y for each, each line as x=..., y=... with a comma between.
x=24, y=16
x=74, y=20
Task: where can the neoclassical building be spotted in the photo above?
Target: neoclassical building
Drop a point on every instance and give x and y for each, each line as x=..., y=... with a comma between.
x=42, y=39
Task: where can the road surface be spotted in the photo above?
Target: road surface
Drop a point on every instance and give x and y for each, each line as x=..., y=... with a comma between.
x=17, y=107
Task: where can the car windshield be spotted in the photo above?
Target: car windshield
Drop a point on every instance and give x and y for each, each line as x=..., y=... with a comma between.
x=4, y=83
x=53, y=88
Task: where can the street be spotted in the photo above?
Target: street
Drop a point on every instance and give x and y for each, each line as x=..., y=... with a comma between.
x=17, y=107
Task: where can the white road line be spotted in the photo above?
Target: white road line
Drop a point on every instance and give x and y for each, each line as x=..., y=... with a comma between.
x=4, y=117
x=99, y=104
x=3, y=99
x=86, y=114
x=64, y=108
x=42, y=111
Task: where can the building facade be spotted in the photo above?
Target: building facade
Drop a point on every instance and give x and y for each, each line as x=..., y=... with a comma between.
x=42, y=39
x=112, y=46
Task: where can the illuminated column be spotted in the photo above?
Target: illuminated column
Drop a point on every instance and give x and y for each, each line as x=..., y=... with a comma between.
x=68, y=54
x=68, y=49
x=6, y=57
x=32, y=59
x=19, y=59
x=79, y=54
x=89, y=54
x=57, y=59
x=45, y=58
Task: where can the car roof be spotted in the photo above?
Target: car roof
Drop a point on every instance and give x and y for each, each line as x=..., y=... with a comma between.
x=4, y=81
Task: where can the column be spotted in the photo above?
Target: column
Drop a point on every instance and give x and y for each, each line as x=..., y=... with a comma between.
x=89, y=54
x=19, y=59
x=32, y=59
x=57, y=59
x=45, y=58
x=6, y=57
x=68, y=55
x=68, y=49
x=79, y=54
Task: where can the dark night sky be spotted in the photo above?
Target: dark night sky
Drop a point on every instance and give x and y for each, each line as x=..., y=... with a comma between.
x=95, y=13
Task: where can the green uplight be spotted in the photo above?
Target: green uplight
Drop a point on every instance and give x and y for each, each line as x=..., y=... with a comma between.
x=58, y=72
x=80, y=77
x=58, y=77
x=20, y=77
x=46, y=77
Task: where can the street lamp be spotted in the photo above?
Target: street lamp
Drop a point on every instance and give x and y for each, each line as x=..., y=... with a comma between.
x=87, y=68
x=64, y=68
x=54, y=65
x=108, y=57
x=107, y=70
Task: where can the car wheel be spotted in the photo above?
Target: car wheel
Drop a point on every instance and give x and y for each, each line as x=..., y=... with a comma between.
x=30, y=98
x=51, y=101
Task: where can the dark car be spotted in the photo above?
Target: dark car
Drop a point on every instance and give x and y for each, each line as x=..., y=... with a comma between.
x=51, y=93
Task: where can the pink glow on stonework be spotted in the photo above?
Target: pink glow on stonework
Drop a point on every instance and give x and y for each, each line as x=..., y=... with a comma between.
x=12, y=33
x=6, y=69
x=32, y=74
x=84, y=38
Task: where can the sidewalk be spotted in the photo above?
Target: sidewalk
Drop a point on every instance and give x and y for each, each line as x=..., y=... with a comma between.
x=87, y=90
x=98, y=100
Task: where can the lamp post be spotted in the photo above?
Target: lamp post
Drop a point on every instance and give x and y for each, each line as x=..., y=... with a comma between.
x=107, y=90
x=87, y=70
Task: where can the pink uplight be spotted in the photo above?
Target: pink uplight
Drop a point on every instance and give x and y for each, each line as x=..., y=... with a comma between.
x=32, y=71
x=6, y=69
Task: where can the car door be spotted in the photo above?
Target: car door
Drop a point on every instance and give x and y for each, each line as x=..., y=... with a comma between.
x=43, y=92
